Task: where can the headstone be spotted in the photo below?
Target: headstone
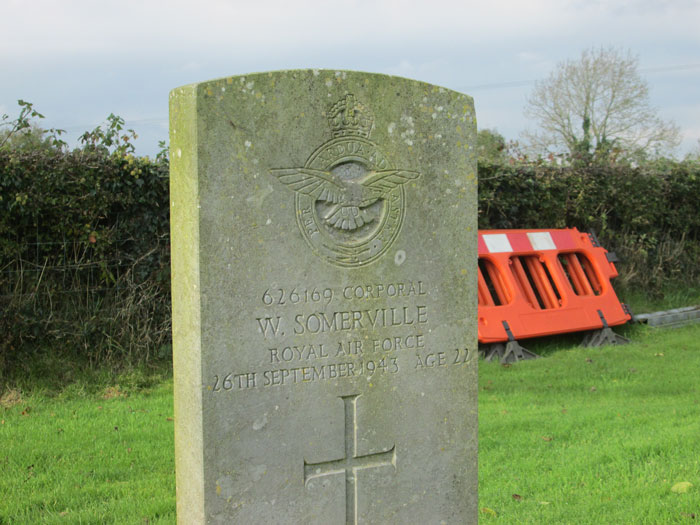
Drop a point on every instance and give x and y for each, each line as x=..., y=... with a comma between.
x=324, y=300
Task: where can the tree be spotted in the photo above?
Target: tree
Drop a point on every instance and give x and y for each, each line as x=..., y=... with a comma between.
x=694, y=155
x=491, y=146
x=24, y=134
x=113, y=136
x=597, y=108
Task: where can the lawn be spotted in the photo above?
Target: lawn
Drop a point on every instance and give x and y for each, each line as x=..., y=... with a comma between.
x=607, y=435
x=594, y=435
x=88, y=458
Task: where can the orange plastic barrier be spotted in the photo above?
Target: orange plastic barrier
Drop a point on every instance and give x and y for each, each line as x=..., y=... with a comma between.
x=544, y=282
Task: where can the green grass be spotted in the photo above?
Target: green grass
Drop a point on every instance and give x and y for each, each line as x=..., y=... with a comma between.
x=642, y=302
x=583, y=436
x=88, y=458
x=593, y=435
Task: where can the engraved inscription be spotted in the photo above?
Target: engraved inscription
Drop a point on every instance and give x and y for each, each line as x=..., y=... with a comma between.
x=459, y=356
x=280, y=296
x=278, y=326
x=355, y=319
x=301, y=343
x=343, y=321
x=305, y=374
x=349, y=197
x=358, y=292
x=351, y=462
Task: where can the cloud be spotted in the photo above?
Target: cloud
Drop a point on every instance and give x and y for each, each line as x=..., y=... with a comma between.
x=218, y=27
x=419, y=69
x=529, y=56
x=79, y=60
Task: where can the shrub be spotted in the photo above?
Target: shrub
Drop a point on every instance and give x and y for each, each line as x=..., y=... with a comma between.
x=84, y=236
x=649, y=214
x=84, y=261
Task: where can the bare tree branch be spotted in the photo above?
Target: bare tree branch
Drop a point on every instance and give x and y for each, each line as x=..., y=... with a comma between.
x=597, y=106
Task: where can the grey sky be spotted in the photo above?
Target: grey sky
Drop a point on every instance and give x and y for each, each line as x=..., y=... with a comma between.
x=78, y=61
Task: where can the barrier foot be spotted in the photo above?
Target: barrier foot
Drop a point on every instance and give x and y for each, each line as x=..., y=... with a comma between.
x=510, y=352
x=493, y=350
x=602, y=337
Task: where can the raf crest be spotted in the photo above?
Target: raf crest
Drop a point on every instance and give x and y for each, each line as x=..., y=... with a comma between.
x=349, y=198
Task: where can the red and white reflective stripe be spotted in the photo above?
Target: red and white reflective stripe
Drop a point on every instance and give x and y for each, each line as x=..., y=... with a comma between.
x=524, y=241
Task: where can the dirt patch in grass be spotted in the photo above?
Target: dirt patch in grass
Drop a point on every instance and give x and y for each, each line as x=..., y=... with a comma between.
x=10, y=398
x=113, y=391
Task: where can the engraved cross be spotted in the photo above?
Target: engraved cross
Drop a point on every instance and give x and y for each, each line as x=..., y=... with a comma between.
x=351, y=463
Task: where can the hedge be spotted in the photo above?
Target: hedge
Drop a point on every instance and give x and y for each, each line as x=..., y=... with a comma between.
x=84, y=246
x=649, y=215
x=84, y=256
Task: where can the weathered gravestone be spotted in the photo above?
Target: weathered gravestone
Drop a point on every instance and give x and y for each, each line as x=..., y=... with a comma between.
x=324, y=303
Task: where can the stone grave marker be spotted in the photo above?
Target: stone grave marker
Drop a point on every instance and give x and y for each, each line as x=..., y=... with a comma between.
x=324, y=300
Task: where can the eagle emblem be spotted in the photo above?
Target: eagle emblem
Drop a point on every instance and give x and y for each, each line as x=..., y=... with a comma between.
x=349, y=197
